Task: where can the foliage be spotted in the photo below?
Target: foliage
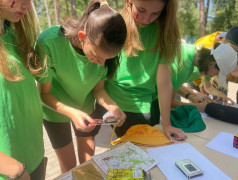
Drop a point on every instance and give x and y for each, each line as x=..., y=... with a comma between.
x=223, y=14
x=188, y=18
x=80, y=7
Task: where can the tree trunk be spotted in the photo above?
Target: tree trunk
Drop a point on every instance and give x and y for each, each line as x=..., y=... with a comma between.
x=47, y=13
x=56, y=6
x=67, y=7
x=37, y=19
x=73, y=9
x=202, y=30
x=117, y=5
x=206, y=11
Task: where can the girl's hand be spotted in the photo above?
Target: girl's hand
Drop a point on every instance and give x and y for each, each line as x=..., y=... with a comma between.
x=200, y=98
x=20, y=168
x=179, y=134
x=119, y=114
x=82, y=121
x=201, y=107
x=224, y=99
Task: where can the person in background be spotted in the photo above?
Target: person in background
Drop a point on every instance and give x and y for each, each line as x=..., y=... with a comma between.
x=142, y=86
x=21, y=133
x=232, y=37
x=81, y=54
x=206, y=85
x=220, y=61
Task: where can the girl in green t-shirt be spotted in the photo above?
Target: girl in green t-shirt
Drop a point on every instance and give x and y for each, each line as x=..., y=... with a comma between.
x=81, y=54
x=21, y=133
x=143, y=76
x=220, y=61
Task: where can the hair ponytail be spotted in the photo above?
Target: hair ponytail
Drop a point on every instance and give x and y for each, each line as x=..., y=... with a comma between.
x=104, y=28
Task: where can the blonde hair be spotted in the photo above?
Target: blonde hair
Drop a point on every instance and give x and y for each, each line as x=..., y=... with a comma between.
x=25, y=37
x=168, y=33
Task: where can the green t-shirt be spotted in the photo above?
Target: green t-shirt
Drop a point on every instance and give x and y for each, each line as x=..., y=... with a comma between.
x=195, y=75
x=21, y=133
x=73, y=76
x=134, y=85
x=187, y=55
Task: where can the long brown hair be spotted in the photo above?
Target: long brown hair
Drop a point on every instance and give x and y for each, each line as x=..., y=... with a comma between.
x=104, y=28
x=167, y=28
x=25, y=37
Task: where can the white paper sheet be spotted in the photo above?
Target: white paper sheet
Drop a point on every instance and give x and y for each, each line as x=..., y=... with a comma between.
x=167, y=155
x=223, y=143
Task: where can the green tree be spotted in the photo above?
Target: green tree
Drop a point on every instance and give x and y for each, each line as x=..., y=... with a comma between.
x=188, y=18
x=224, y=15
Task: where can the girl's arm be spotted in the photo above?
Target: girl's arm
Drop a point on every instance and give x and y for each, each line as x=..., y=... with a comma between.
x=176, y=103
x=11, y=167
x=165, y=89
x=78, y=117
x=104, y=100
x=193, y=95
x=210, y=89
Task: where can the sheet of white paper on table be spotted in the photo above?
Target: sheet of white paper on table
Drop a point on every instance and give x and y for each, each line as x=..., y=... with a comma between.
x=223, y=143
x=167, y=155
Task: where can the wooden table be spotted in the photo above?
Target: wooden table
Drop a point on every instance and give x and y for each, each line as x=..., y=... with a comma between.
x=199, y=140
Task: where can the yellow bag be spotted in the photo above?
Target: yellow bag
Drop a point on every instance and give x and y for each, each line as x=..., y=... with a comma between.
x=144, y=135
x=208, y=40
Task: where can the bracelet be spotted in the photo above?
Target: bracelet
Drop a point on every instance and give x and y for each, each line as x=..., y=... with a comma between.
x=187, y=95
x=19, y=175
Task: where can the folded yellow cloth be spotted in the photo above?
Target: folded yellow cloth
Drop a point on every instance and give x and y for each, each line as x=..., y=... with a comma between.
x=144, y=135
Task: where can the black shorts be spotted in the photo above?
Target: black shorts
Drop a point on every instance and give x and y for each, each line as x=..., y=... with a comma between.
x=39, y=172
x=60, y=132
x=152, y=118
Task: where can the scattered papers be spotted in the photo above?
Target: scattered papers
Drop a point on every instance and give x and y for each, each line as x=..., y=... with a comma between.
x=126, y=156
x=167, y=155
x=223, y=143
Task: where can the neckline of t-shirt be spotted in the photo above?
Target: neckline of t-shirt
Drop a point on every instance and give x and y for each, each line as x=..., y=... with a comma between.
x=145, y=27
x=82, y=57
x=7, y=34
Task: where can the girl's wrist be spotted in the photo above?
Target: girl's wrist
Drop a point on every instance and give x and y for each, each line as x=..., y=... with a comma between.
x=21, y=170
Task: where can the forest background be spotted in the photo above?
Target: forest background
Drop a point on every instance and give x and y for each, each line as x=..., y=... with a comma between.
x=196, y=17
